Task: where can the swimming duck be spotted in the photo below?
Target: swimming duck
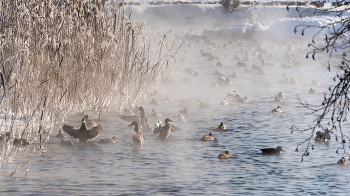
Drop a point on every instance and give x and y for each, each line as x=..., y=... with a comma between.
x=285, y=75
x=167, y=98
x=221, y=127
x=192, y=100
x=60, y=134
x=66, y=143
x=142, y=120
x=128, y=112
x=154, y=113
x=277, y=100
x=223, y=102
x=323, y=137
x=202, y=105
x=184, y=111
x=83, y=134
x=218, y=73
x=6, y=136
x=196, y=74
x=315, y=83
x=292, y=81
x=182, y=104
x=343, y=161
x=234, y=75
x=260, y=57
x=271, y=151
x=208, y=137
x=108, y=140
x=218, y=64
x=22, y=142
x=239, y=64
x=137, y=137
x=312, y=91
x=284, y=66
x=231, y=94
x=167, y=129
x=237, y=58
x=154, y=93
x=281, y=95
x=277, y=110
x=214, y=86
x=261, y=72
x=263, y=63
x=154, y=102
x=246, y=57
x=224, y=155
x=180, y=118
x=242, y=100
x=247, y=71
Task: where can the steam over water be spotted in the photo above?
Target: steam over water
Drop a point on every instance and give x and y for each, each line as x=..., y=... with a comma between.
x=184, y=164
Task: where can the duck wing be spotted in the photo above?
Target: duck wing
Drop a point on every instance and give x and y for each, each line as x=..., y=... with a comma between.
x=72, y=131
x=94, y=132
x=175, y=128
x=131, y=118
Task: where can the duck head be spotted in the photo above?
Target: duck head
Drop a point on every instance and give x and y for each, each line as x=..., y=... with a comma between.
x=221, y=124
x=142, y=111
x=279, y=149
x=134, y=123
x=83, y=124
x=227, y=152
x=86, y=117
x=168, y=121
x=210, y=134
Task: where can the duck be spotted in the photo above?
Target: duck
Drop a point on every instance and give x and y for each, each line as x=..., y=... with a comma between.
x=142, y=120
x=108, y=140
x=167, y=98
x=83, y=134
x=223, y=102
x=242, y=100
x=284, y=66
x=239, y=64
x=292, y=81
x=192, y=100
x=22, y=142
x=196, y=74
x=154, y=113
x=277, y=100
x=6, y=136
x=154, y=102
x=261, y=72
x=232, y=94
x=182, y=103
x=128, y=112
x=66, y=143
x=285, y=75
x=227, y=82
x=277, y=110
x=323, y=137
x=315, y=83
x=312, y=91
x=281, y=95
x=180, y=118
x=237, y=58
x=221, y=127
x=224, y=155
x=214, y=86
x=184, y=111
x=343, y=161
x=137, y=137
x=272, y=151
x=263, y=63
x=60, y=134
x=202, y=105
x=234, y=75
x=165, y=131
x=208, y=137
x=218, y=64
x=247, y=71
x=246, y=57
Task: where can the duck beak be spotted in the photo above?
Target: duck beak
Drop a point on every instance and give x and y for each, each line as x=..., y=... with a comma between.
x=130, y=125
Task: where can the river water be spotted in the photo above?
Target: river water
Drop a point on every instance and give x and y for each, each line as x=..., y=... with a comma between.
x=185, y=165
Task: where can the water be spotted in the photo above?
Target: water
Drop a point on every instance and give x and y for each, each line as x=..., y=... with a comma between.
x=184, y=165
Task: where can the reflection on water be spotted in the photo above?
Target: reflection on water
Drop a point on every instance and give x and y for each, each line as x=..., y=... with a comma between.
x=185, y=165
